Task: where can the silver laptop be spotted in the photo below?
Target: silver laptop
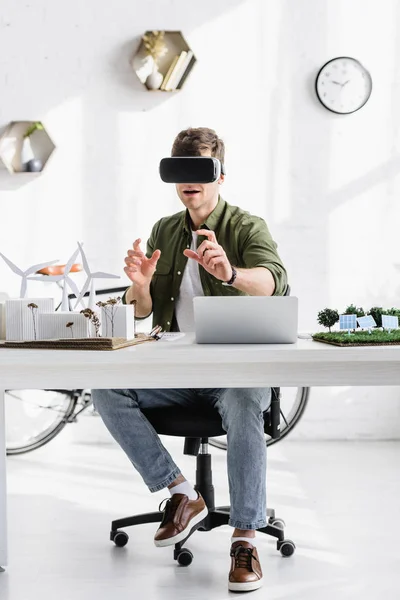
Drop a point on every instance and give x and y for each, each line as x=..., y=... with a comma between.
x=246, y=319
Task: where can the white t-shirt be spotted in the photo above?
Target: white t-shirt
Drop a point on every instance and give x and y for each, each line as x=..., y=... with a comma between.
x=190, y=287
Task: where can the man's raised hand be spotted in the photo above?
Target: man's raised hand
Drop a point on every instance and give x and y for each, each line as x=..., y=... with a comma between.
x=139, y=268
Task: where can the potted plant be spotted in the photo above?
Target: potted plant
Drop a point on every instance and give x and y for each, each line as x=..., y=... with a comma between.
x=155, y=47
x=28, y=160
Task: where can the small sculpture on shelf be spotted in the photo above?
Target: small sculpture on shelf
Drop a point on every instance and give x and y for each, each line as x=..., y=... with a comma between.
x=155, y=46
x=28, y=160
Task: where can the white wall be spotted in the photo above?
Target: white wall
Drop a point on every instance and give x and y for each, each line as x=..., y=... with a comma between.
x=326, y=184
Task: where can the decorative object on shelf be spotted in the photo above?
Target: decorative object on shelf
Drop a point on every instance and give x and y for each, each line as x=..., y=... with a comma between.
x=25, y=146
x=67, y=282
x=28, y=160
x=59, y=325
x=25, y=274
x=90, y=281
x=163, y=60
x=22, y=321
x=118, y=320
x=154, y=44
x=343, y=85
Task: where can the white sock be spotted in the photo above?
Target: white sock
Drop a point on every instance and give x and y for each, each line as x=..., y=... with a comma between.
x=243, y=539
x=184, y=488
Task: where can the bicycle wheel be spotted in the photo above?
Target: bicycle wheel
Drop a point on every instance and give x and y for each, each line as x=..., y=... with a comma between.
x=293, y=404
x=34, y=417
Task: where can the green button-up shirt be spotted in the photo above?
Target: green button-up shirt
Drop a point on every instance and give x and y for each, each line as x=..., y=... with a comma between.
x=247, y=243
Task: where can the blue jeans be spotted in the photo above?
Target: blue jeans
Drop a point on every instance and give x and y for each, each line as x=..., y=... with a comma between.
x=241, y=410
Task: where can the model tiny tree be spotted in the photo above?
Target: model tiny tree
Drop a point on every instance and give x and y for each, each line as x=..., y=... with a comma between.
x=93, y=318
x=34, y=308
x=376, y=312
x=70, y=326
x=109, y=308
x=328, y=318
x=353, y=310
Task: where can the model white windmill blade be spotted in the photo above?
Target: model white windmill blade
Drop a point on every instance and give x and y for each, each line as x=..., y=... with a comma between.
x=40, y=266
x=74, y=288
x=24, y=274
x=101, y=275
x=71, y=261
x=13, y=267
x=84, y=259
x=83, y=291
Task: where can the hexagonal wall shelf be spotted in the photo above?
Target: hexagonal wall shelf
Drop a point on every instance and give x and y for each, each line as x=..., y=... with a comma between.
x=174, y=60
x=21, y=156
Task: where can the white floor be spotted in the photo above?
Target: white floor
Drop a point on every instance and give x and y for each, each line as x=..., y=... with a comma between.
x=340, y=502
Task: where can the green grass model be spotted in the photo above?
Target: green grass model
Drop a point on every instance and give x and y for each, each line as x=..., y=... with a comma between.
x=358, y=337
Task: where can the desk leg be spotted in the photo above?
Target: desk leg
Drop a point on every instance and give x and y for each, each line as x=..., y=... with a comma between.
x=3, y=485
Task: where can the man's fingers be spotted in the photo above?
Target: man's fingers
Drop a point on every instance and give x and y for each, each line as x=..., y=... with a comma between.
x=211, y=254
x=191, y=254
x=206, y=246
x=155, y=256
x=136, y=245
x=208, y=234
x=134, y=253
x=215, y=261
x=133, y=261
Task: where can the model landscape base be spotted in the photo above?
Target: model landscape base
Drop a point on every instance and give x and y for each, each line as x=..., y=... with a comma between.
x=362, y=338
x=99, y=343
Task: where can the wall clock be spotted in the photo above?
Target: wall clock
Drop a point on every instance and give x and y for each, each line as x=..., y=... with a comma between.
x=343, y=85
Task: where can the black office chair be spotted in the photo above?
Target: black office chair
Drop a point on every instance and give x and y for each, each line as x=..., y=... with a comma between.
x=196, y=426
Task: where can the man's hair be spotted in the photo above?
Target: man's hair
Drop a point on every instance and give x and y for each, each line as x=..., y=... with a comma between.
x=191, y=142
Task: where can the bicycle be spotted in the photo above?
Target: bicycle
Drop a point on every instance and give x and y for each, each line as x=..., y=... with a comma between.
x=35, y=417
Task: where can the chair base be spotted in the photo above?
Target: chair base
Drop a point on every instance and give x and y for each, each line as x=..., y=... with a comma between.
x=216, y=517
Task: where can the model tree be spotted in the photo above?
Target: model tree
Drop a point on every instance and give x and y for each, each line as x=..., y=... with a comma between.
x=353, y=310
x=376, y=312
x=328, y=318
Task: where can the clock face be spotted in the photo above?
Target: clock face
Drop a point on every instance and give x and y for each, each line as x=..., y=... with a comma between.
x=343, y=85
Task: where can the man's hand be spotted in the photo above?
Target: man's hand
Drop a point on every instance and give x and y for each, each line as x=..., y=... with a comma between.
x=211, y=256
x=140, y=269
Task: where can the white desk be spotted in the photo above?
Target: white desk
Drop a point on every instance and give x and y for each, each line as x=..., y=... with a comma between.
x=182, y=363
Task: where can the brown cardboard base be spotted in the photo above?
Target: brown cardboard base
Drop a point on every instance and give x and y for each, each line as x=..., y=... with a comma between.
x=80, y=344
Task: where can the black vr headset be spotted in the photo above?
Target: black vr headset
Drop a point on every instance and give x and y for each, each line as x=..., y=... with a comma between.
x=191, y=169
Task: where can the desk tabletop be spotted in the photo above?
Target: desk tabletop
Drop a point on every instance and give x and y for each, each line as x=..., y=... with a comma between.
x=183, y=363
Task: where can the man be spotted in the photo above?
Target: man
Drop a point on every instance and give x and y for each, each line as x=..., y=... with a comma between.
x=192, y=253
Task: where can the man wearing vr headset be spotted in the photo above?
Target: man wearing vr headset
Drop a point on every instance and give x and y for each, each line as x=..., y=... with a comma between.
x=211, y=248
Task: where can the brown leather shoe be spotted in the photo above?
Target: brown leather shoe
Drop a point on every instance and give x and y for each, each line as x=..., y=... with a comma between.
x=180, y=516
x=245, y=574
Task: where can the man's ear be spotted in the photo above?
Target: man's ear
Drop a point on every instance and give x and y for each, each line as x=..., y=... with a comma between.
x=221, y=180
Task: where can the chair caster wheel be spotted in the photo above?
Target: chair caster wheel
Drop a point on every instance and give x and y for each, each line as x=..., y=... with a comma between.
x=280, y=523
x=184, y=557
x=120, y=538
x=286, y=547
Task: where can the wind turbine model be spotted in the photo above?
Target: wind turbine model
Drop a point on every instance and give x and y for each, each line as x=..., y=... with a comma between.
x=24, y=274
x=90, y=281
x=67, y=281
